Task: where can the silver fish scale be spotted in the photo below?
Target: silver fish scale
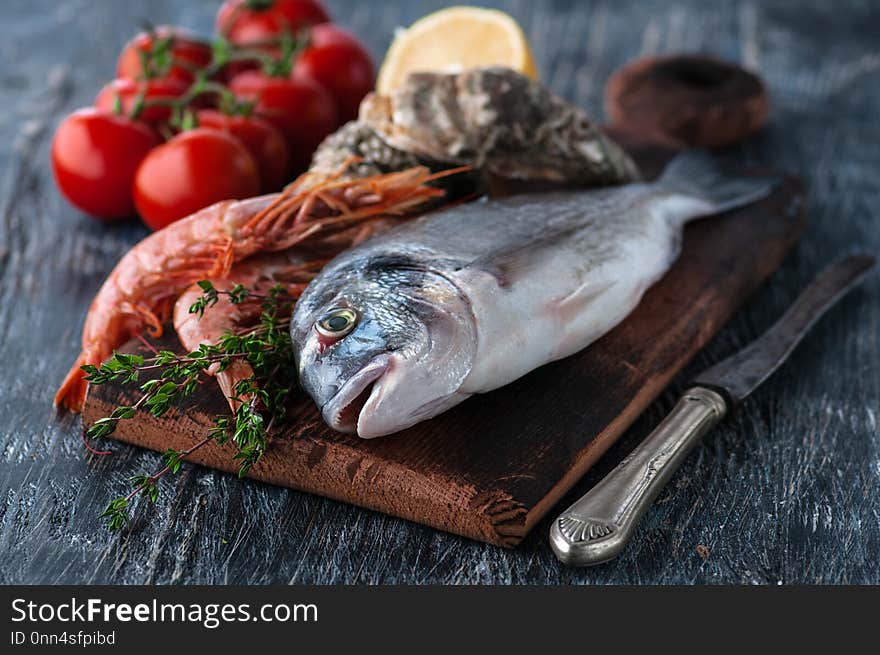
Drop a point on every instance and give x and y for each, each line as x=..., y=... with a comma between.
x=385, y=294
x=392, y=292
x=492, y=234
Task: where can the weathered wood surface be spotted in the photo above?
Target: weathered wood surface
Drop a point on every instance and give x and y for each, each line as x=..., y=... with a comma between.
x=787, y=491
x=493, y=466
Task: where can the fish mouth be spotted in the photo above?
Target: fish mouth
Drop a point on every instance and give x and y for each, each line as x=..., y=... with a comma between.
x=342, y=411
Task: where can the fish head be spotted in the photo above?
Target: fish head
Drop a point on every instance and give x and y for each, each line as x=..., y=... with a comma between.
x=382, y=345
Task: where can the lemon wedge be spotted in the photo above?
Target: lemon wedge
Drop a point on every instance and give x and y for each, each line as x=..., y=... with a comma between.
x=453, y=39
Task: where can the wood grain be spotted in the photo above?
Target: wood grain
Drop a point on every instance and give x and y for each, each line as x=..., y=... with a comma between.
x=491, y=468
x=786, y=491
x=687, y=101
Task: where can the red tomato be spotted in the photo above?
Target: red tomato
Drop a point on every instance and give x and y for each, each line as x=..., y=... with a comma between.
x=94, y=158
x=265, y=143
x=185, y=48
x=247, y=21
x=321, y=35
x=127, y=90
x=341, y=64
x=301, y=108
x=193, y=170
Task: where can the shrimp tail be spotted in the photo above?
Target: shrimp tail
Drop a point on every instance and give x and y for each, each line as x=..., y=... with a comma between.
x=229, y=378
x=72, y=393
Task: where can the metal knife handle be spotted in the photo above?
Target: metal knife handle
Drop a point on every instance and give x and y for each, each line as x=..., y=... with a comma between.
x=597, y=527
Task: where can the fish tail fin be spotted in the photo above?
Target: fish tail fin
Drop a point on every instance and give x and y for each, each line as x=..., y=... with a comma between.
x=696, y=173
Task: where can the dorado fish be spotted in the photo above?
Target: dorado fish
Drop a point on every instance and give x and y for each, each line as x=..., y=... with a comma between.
x=465, y=300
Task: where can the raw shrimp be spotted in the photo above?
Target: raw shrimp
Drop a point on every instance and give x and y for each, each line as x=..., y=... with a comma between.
x=292, y=269
x=139, y=292
x=289, y=269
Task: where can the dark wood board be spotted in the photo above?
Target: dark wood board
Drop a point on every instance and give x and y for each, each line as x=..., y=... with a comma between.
x=785, y=491
x=490, y=468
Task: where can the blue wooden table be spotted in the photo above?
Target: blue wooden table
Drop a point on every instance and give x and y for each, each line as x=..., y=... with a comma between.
x=787, y=491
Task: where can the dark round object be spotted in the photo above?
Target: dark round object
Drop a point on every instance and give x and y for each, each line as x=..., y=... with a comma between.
x=686, y=101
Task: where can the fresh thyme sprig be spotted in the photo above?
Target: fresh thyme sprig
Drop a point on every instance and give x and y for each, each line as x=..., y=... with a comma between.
x=266, y=347
x=116, y=512
x=178, y=378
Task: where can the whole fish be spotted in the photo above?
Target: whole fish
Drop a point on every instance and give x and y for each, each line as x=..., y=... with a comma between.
x=468, y=299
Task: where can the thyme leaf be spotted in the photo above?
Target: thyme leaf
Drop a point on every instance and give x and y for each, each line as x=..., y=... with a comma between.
x=261, y=400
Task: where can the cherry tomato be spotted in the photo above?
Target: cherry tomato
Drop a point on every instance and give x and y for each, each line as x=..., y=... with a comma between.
x=329, y=33
x=94, y=158
x=265, y=143
x=248, y=21
x=341, y=64
x=193, y=170
x=234, y=68
x=128, y=90
x=299, y=107
x=186, y=49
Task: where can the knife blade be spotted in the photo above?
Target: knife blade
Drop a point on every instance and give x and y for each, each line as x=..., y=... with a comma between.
x=597, y=527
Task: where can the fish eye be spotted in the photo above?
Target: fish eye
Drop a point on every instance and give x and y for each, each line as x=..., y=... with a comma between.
x=337, y=322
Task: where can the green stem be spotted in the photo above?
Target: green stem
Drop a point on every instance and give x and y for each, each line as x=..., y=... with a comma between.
x=183, y=361
x=158, y=475
x=224, y=53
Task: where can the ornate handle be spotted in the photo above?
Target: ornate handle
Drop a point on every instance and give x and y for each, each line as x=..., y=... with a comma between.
x=596, y=528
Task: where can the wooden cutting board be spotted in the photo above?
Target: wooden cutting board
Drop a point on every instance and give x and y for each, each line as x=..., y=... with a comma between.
x=491, y=467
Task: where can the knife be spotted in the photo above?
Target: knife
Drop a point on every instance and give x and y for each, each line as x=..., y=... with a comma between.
x=597, y=527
